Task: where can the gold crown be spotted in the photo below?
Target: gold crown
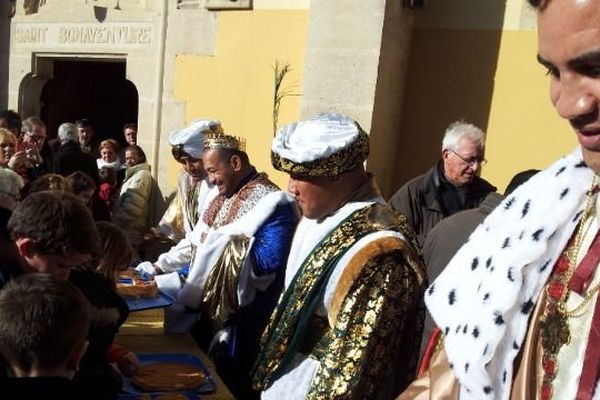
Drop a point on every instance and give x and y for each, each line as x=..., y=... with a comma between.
x=222, y=141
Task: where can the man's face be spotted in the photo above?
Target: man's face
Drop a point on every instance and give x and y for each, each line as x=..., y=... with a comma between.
x=569, y=47
x=461, y=165
x=108, y=154
x=221, y=172
x=193, y=166
x=85, y=134
x=56, y=265
x=36, y=137
x=132, y=158
x=130, y=136
x=313, y=195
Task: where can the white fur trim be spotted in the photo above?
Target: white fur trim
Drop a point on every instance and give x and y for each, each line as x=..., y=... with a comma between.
x=483, y=299
x=210, y=250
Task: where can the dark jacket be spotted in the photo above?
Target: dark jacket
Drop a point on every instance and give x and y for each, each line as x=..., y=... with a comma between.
x=10, y=262
x=37, y=388
x=420, y=200
x=69, y=158
x=446, y=238
x=96, y=379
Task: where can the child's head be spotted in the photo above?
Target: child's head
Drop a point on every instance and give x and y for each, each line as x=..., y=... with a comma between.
x=44, y=322
x=82, y=186
x=50, y=182
x=53, y=231
x=108, y=175
x=116, y=252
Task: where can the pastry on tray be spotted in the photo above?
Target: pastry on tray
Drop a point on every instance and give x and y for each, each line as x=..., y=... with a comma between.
x=138, y=290
x=167, y=377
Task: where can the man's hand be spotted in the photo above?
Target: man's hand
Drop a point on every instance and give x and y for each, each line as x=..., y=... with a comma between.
x=148, y=270
x=19, y=161
x=33, y=155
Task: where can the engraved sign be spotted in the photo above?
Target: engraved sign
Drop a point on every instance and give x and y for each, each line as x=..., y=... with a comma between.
x=30, y=35
x=112, y=35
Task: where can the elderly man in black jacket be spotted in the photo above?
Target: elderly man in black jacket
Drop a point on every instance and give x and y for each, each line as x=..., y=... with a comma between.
x=70, y=158
x=450, y=186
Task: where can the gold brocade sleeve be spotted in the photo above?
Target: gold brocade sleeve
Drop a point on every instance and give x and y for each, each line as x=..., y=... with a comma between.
x=370, y=352
x=219, y=298
x=171, y=223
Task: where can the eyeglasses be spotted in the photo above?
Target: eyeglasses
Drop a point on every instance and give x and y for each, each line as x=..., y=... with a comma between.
x=34, y=137
x=470, y=161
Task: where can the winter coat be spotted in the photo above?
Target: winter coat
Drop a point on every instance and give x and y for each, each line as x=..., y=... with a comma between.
x=69, y=158
x=419, y=200
x=131, y=209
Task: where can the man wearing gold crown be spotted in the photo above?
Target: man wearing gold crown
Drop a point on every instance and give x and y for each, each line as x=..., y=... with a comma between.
x=350, y=320
x=241, y=247
x=518, y=305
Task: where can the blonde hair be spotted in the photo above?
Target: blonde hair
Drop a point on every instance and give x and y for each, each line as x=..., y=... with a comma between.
x=116, y=252
x=52, y=182
x=112, y=143
x=6, y=134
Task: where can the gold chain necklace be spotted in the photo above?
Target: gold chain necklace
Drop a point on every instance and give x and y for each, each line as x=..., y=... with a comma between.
x=554, y=326
x=576, y=312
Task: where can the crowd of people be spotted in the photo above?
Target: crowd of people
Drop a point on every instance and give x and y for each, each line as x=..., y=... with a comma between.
x=115, y=183
x=321, y=290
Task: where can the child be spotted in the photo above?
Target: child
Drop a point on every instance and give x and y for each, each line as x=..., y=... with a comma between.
x=97, y=379
x=107, y=194
x=53, y=182
x=44, y=323
x=82, y=186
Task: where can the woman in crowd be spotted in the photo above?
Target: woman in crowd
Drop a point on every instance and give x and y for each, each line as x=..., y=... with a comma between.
x=131, y=209
x=8, y=146
x=109, y=150
x=109, y=157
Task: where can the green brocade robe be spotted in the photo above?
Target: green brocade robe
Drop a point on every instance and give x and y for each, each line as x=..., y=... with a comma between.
x=367, y=345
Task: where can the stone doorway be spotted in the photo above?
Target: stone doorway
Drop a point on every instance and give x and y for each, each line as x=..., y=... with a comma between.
x=94, y=89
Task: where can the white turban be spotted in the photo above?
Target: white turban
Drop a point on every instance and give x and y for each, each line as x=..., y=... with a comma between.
x=326, y=145
x=191, y=139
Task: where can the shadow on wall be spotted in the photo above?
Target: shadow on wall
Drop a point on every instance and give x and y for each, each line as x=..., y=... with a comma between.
x=6, y=13
x=451, y=68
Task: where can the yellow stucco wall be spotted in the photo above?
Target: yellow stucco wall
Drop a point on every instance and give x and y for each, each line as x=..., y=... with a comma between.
x=483, y=70
x=524, y=131
x=236, y=84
